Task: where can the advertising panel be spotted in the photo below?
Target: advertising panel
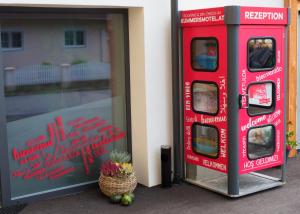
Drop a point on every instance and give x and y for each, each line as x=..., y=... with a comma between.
x=261, y=138
x=205, y=97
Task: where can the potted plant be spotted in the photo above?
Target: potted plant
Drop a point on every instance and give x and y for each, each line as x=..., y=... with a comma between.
x=291, y=143
x=117, y=178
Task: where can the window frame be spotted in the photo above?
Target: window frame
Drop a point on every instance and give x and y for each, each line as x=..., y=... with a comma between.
x=10, y=40
x=275, y=58
x=218, y=97
x=218, y=141
x=74, y=31
x=274, y=140
x=273, y=106
x=191, y=54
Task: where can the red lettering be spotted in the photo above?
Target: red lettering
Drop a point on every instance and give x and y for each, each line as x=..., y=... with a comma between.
x=23, y=161
x=100, y=151
x=54, y=171
x=85, y=163
x=15, y=154
x=72, y=155
x=62, y=173
x=68, y=156
x=82, y=143
x=18, y=173
x=36, y=140
x=50, y=131
x=23, y=153
x=89, y=154
x=61, y=127
x=33, y=157
x=105, y=128
x=87, y=122
x=75, y=141
x=73, y=134
x=35, y=165
x=76, y=121
x=57, y=139
x=94, y=126
x=35, y=173
x=94, y=139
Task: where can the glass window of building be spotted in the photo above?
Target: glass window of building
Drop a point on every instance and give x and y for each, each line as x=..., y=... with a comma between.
x=66, y=109
x=11, y=40
x=74, y=38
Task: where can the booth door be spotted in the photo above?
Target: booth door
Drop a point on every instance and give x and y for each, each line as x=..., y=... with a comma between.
x=205, y=97
x=261, y=99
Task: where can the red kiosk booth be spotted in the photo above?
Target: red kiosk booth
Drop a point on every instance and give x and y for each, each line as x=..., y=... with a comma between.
x=234, y=66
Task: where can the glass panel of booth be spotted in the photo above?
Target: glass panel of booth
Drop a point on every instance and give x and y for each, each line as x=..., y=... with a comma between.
x=204, y=54
x=205, y=97
x=261, y=98
x=261, y=142
x=205, y=140
x=65, y=108
x=261, y=54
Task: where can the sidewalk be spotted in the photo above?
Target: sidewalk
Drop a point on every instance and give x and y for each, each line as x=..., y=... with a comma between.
x=183, y=198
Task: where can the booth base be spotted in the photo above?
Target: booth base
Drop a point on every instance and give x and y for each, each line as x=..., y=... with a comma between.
x=249, y=183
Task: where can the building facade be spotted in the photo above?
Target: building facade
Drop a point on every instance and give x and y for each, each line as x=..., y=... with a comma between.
x=94, y=42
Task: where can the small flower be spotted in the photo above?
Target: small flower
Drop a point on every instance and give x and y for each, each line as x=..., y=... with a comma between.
x=110, y=169
x=126, y=169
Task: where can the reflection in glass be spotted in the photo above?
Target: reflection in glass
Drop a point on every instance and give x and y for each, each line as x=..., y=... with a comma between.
x=11, y=40
x=261, y=142
x=261, y=53
x=16, y=38
x=65, y=107
x=261, y=98
x=4, y=40
x=205, y=140
x=204, y=53
x=69, y=38
x=205, y=97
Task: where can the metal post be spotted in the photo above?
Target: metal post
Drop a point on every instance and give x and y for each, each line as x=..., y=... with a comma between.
x=232, y=19
x=283, y=167
x=233, y=148
x=175, y=91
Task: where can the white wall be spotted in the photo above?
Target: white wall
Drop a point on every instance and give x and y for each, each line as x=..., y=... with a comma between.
x=150, y=87
x=193, y=4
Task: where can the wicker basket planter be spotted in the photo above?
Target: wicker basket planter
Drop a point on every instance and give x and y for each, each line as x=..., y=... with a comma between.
x=111, y=186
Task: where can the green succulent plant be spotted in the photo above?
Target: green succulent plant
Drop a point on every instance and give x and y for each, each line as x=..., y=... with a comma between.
x=292, y=143
x=120, y=157
x=289, y=137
